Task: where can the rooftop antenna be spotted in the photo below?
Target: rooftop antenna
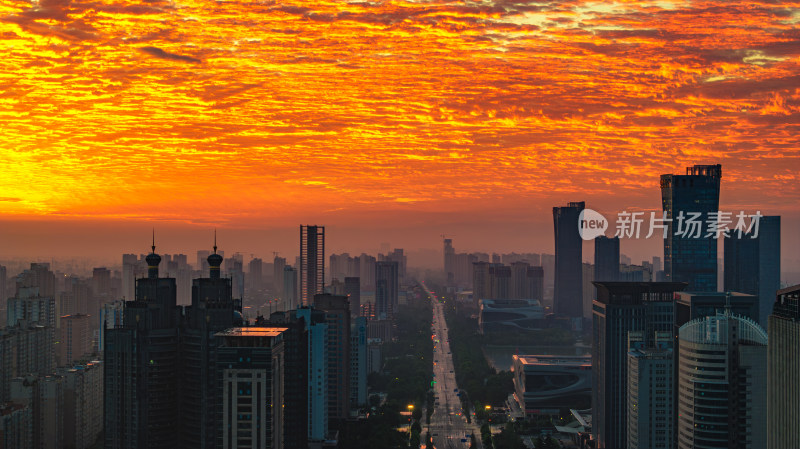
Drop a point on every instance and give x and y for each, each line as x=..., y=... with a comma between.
x=154, y=241
x=215, y=240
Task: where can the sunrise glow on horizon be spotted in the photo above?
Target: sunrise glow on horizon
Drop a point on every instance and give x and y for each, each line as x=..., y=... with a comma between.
x=180, y=109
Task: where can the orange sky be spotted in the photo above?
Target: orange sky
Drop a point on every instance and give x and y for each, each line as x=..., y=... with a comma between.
x=271, y=113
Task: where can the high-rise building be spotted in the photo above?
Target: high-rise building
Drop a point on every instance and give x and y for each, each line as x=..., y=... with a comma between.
x=213, y=310
x=690, y=306
x=358, y=362
x=45, y=396
x=622, y=308
x=753, y=265
x=352, y=288
x=568, y=270
x=312, y=262
x=318, y=378
x=101, y=283
x=366, y=272
x=278, y=264
x=606, y=258
x=688, y=201
x=30, y=307
x=783, y=371
x=39, y=276
x=83, y=391
x=291, y=299
x=481, y=282
x=337, y=316
x=386, y=289
x=588, y=290
x=255, y=279
x=24, y=349
x=142, y=367
x=75, y=339
x=130, y=264
x=449, y=261
x=250, y=376
x=722, y=383
x=650, y=402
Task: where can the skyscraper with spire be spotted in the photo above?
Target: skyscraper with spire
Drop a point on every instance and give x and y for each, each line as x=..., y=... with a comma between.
x=142, y=367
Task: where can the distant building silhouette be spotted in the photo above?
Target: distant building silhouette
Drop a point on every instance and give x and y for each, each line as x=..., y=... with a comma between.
x=568, y=295
x=386, y=289
x=312, y=262
x=606, y=258
x=753, y=265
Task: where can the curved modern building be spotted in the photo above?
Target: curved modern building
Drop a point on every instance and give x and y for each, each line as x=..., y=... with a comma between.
x=552, y=384
x=509, y=314
x=722, y=383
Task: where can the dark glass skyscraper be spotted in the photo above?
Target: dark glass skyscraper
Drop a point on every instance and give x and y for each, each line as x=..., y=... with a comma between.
x=753, y=265
x=568, y=295
x=783, y=371
x=690, y=256
x=606, y=258
x=621, y=309
x=387, y=285
x=142, y=367
x=337, y=316
x=312, y=262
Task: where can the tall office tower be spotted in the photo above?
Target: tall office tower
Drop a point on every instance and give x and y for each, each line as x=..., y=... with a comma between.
x=291, y=298
x=463, y=269
x=606, y=258
x=75, y=342
x=783, y=371
x=250, y=382
x=690, y=306
x=500, y=281
x=650, y=402
x=213, y=310
x=481, y=282
x=449, y=262
x=337, y=316
x=568, y=271
x=352, y=288
x=278, y=265
x=129, y=270
x=40, y=276
x=45, y=396
x=688, y=200
x=753, y=265
x=620, y=309
x=318, y=378
x=143, y=368
x=312, y=262
x=657, y=264
x=358, y=362
x=16, y=426
x=24, y=349
x=366, y=267
x=296, y=371
x=386, y=289
x=234, y=269
x=83, y=391
x=722, y=383
x=255, y=276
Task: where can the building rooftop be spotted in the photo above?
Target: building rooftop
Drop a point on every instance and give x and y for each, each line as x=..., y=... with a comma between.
x=578, y=360
x=253, y=332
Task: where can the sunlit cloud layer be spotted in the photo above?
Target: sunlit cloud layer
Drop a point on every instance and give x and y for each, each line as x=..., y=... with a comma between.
x=265, y=109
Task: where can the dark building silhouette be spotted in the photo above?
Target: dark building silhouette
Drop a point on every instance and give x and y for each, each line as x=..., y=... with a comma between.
x=622, y=310
x=568, y=294
x=606, y=258
x=337, y=316
x=753, y=265
x=213, y=310
x=783, y=371
x=312, y=262
x=387, y=286
x=691, y=257
x=142, y=367
x=352, y=288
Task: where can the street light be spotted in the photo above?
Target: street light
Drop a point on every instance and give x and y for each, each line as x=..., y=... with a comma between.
x=411, y=406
